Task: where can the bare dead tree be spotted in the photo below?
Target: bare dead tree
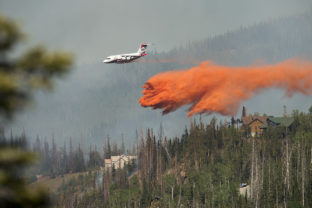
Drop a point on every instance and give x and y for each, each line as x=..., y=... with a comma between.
x=302, y=173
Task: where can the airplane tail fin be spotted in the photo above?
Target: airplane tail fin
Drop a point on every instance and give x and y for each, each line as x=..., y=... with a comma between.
x=143, y=48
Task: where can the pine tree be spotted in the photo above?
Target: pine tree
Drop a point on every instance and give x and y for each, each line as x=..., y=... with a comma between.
x=115, y=149
x=65, y=161
x=20, y=77
x=71, y=156
x=79, y=163
x=122, y=147
x=46, y=157
x=37, y=145
x=53, y=158
x=108, y=152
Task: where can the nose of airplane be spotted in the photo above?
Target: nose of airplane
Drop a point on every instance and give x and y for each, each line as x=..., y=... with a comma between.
x=107, y=60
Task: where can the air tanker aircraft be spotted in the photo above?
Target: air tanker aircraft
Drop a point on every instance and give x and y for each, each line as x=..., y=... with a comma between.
x=128, y=57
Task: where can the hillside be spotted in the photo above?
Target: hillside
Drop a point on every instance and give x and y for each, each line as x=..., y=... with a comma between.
x=54, y=184
x=204, y=168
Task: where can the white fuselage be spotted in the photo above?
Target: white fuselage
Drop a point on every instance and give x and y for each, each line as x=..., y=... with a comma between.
x=123, y=58
x=127, y=57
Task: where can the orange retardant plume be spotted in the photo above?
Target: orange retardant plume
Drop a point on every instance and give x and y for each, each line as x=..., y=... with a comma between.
x=209, y=88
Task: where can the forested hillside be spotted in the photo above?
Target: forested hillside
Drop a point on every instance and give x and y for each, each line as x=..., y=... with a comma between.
x=271, y=42
x=204, y=167
x=129, y=135
x=99, y=100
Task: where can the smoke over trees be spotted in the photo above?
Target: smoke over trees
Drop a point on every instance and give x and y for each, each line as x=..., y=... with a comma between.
x=202, y=167
x=87, y=93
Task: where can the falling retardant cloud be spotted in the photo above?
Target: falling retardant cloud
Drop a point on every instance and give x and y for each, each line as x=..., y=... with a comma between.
x=209, y=88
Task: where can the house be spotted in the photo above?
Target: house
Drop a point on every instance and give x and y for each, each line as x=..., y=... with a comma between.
x=253, y=122
x=108, y=163
x=118, y=161
x=256, y=125
x=279, y=121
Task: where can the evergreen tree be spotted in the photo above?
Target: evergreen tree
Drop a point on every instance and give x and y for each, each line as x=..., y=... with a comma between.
x=108, y=152
x=71, y=155
x=79, y=163
x=19, y=78
x=64, y=160
x=122, y=146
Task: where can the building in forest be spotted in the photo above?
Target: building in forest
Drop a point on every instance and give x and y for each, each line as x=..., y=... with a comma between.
x=118, y=161
x=258, y=124
x=253, y=122
x=279, y=121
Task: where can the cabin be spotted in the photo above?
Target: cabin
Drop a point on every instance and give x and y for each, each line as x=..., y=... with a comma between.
x=108, y=163
x=256, y=125
x=253, y=122
x=280, y=121
x=118, y=161
x=275, y=122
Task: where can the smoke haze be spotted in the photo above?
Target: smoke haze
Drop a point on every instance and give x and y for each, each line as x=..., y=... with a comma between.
x=97, y=100
x=94, y=30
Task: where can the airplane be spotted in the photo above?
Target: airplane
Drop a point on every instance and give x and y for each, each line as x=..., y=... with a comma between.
x=128, y=57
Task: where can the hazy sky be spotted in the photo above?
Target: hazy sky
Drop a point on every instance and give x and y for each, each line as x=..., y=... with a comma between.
x=98, y=28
